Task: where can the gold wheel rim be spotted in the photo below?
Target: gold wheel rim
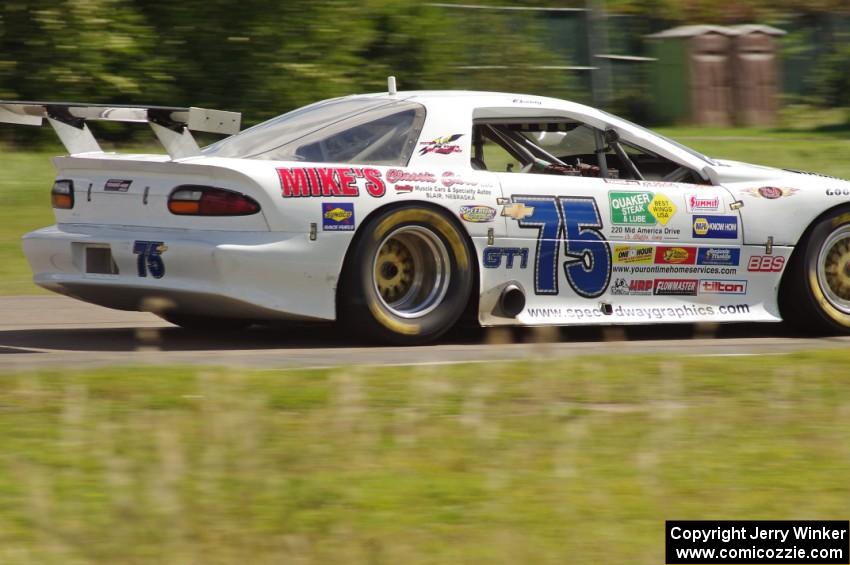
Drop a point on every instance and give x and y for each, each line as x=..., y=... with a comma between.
x=411, y=271
x=394, y=270
x=834, y=269
x=837, y=269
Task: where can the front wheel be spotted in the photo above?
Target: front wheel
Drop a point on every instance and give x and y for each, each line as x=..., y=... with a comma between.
x=816, y=294
x=409, y=278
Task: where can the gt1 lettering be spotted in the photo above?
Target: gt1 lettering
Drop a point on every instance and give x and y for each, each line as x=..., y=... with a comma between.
x=493, y=257
x=577, y=222
x=149, y=258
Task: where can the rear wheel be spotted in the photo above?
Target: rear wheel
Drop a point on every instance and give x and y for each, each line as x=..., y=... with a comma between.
x=409, y=279
x=816, y=294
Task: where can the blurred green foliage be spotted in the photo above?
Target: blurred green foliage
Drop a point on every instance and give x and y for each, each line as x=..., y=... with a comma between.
x=264, y=58
x=829, y=81
x=258, y=57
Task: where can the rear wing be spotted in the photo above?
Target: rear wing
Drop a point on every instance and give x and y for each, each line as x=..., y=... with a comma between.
x=172, y=126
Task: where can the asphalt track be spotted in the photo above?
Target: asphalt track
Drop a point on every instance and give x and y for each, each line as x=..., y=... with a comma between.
x=53, y=331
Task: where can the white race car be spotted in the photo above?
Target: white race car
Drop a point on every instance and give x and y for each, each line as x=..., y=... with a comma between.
x=399, y=212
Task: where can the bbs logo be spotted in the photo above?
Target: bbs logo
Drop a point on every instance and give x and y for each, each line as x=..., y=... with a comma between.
x=766, y=264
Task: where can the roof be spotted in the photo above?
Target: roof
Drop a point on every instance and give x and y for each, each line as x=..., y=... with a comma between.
x=471, y=100
x=694, y=30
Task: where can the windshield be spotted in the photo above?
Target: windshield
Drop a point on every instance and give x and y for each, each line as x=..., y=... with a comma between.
x=345, y=130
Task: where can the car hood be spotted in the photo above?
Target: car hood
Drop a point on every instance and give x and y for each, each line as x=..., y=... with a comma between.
x=728, y=172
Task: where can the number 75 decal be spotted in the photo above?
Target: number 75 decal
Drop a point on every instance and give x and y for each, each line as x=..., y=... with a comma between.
x=576, y=221
x=149, y=258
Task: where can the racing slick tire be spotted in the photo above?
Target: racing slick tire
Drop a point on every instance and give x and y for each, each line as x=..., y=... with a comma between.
x=203, y=324
x=815, y=294
x=408, y=278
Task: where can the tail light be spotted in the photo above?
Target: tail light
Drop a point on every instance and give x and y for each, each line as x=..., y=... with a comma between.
x=209, y=201
x=62, y=194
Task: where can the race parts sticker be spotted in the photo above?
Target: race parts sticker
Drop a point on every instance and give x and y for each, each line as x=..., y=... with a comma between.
x=338, y=216
x=715, y=227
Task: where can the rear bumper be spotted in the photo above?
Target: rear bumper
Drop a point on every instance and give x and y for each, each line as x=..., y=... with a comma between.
x=263, y=275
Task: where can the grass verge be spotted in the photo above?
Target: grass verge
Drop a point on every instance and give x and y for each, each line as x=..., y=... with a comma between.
x=577, y=461
x=25, y=181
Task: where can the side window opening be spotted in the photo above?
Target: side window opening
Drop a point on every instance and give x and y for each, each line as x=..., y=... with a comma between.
x=561, y=147
x=387, y=140
x=491, y=153
x=357, y=131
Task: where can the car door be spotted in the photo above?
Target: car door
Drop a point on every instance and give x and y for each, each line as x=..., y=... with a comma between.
x=611, y=250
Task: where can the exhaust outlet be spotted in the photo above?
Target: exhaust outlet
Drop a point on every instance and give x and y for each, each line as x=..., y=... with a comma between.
x=511, y=301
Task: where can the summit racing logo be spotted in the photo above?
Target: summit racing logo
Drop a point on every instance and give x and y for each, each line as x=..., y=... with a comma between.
x=330, y=181
x=441, y=145
x=702, y=203
x=675, y=287
x=716, y=227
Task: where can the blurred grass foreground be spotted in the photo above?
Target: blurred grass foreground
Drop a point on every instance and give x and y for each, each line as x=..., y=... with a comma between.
x=574, y=461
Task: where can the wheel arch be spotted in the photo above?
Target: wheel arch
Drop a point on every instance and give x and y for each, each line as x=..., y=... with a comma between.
x=442, y=210
x=788, y=274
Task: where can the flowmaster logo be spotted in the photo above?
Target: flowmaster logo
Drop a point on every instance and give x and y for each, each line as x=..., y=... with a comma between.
x=675, y=287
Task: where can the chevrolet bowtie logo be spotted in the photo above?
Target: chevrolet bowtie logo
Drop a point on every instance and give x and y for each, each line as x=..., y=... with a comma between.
x=517, y=211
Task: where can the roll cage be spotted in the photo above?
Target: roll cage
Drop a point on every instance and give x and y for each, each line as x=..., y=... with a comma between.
x=595, y=153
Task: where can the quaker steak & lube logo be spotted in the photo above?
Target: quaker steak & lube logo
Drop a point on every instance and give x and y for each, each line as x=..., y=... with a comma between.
x=640, y=208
